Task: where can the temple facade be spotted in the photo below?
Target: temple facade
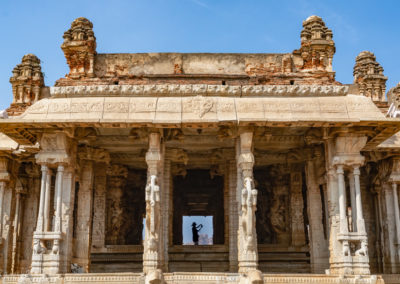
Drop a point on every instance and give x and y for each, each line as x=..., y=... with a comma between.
x=297, y=171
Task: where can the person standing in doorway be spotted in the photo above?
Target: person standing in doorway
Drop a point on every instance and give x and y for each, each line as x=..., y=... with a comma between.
x=195, y=230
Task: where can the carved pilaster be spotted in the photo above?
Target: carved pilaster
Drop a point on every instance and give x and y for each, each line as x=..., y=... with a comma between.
x=116, y=180
x=88, y=157
x=99, y=207
x=315, y=169
x=394, y=181
x=30, y=213
x=296, y=208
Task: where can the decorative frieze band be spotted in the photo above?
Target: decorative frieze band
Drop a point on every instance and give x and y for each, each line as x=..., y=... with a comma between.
x=204, y=109
x=200, y=89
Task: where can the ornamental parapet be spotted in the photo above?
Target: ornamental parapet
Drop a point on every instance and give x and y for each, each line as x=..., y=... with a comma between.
x=199, y=89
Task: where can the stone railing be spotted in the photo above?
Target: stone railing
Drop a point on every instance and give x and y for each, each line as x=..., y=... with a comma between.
x=201, y=89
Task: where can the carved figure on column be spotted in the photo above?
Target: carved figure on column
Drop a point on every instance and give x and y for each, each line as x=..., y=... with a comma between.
x=247, y=239
x=249, y=205
x=152, y=249
x=153, y=211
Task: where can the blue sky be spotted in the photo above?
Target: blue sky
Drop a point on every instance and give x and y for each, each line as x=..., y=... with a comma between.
x=196, y=26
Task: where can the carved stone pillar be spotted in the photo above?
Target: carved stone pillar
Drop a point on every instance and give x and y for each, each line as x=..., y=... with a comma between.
x=247, y=236
x=349, y=251
x=19, y=192
x=342, y=201
x=99, y=207
x=389, y=229
x=318, y=242
x=152, y=246
x=83, y=231
x=396, y=217
x=30, y=213
x=166, y=211
x=52, y=248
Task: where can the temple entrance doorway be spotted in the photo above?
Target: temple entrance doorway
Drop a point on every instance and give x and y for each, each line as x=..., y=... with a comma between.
x=198, y=198
x=197, y=194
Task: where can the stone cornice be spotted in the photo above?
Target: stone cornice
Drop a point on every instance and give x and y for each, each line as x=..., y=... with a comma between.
x=201, y=89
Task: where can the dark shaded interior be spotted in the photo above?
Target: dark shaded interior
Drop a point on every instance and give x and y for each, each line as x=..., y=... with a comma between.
x=197, y=194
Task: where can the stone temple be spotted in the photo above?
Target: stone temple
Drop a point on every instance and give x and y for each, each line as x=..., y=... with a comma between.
x=298, y=172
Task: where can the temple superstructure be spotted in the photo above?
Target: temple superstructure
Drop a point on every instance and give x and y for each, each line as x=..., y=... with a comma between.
x=298, y=172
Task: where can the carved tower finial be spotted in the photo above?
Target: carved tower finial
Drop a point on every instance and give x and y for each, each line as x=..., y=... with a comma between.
x=27, y=81
x=79, y=48
x=368, y=75
x=317, y=47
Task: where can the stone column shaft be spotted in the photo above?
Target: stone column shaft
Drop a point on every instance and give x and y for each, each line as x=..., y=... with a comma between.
x=16, y=232
x=359, y=213
x=390, y=231
x=2, y=188
x=318, y=243
x=47, y=202
x=342, y=199
x=353, y=202
x=59, y=181
x=40, y=220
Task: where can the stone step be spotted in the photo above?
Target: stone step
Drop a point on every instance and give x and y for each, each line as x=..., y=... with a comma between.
x=198, y=257
x=283, y=256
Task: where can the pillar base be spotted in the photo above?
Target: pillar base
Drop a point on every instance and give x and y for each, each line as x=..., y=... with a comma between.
x=154, y=277
x=253, y=276
x=45, y=263
x=354, y=266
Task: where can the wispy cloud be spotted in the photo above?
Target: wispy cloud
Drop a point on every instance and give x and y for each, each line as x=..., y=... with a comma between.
x=200, y=3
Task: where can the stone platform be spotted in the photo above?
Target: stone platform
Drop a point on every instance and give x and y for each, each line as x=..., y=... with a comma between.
x=204, y=278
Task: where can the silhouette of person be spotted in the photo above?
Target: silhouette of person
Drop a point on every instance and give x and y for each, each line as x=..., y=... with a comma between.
x=195, y=230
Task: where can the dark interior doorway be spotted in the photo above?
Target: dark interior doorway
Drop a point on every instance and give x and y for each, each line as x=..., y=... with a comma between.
x=197, y=194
